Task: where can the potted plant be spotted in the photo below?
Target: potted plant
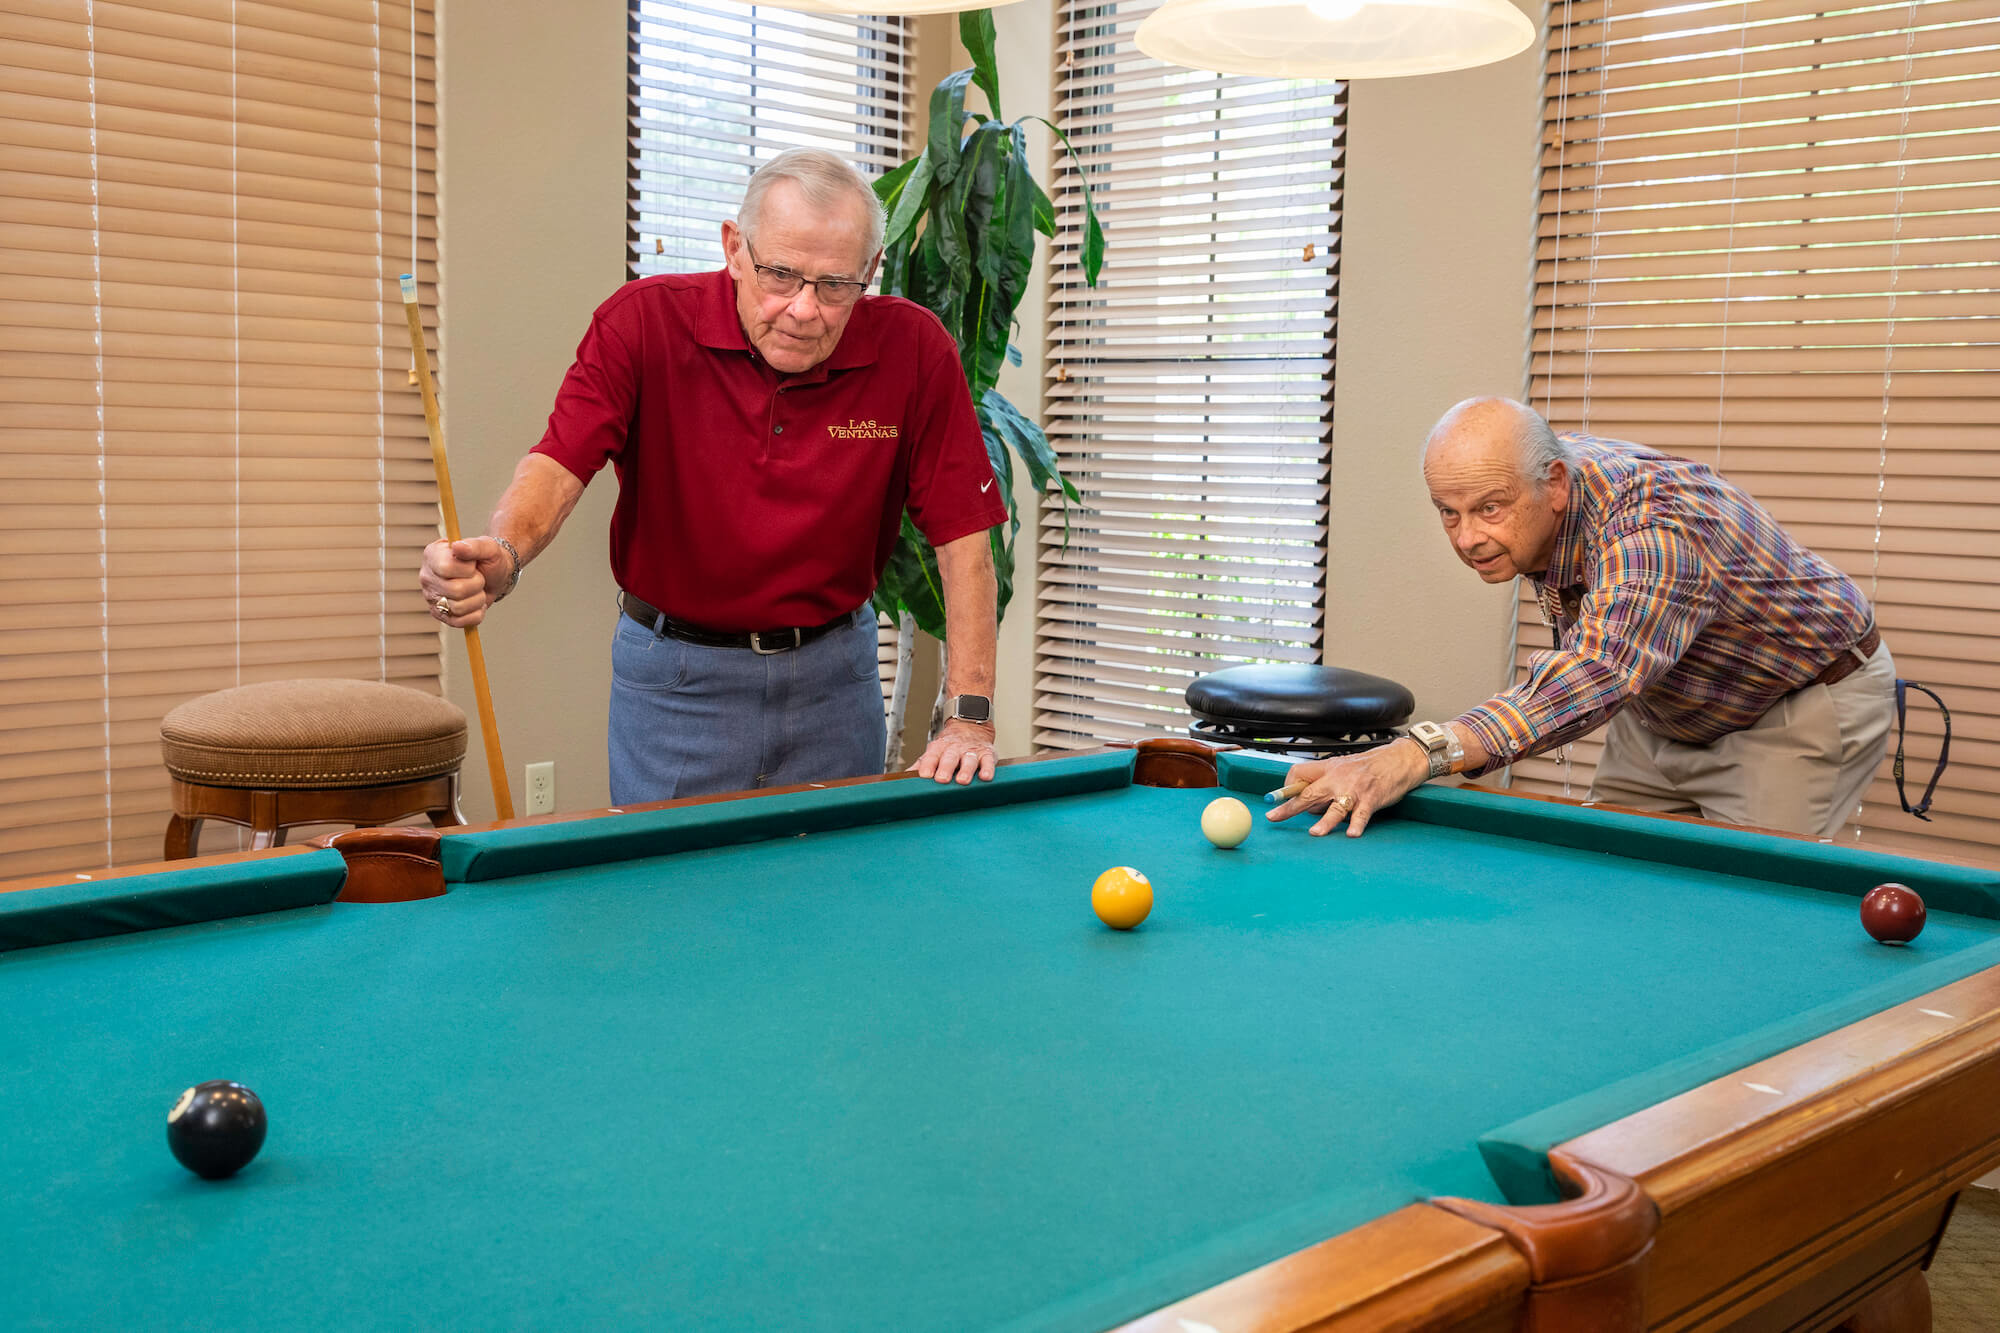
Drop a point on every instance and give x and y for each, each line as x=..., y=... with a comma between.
x=963, y=215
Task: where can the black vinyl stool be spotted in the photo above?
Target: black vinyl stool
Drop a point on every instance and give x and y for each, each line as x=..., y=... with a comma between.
x=1309, y=710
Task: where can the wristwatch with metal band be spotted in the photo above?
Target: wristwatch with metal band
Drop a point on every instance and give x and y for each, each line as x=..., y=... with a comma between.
x=1441, y=746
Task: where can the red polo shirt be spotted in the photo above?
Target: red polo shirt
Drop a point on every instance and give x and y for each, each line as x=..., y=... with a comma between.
x=750, y=499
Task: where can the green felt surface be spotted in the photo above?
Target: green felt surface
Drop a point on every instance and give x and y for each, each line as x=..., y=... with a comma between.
x=889, y=1077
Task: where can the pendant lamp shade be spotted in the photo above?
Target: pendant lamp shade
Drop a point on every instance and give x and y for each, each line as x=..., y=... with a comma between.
x=1334, y=39
x=898, y=8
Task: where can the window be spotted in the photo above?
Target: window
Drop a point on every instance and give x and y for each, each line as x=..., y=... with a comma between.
x=1768, y=240
x=215, y=470
x=717, y=89
x=1189, y=394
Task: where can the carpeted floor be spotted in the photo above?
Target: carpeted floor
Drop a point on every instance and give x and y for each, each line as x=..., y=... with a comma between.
x=1965, y=1276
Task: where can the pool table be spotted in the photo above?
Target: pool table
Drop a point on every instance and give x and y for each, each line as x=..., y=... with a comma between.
x=860, y=1057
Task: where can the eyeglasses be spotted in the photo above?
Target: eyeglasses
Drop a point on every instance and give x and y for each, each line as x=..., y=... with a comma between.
x=835, y=292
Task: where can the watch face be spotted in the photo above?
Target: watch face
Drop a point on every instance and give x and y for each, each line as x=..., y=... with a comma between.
x=972, y=708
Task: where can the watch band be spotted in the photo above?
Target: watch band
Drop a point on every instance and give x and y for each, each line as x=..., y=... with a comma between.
x=1441, y=747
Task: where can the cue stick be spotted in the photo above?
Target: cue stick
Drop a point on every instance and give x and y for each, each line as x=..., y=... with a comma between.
x=496, y=765
x=1284, y=793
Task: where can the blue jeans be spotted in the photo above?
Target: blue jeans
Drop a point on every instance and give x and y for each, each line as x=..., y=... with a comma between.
x=688, y=720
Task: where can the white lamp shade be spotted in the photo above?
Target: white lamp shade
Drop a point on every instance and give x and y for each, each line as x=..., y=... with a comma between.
x=906, y=8
x=1334, y=39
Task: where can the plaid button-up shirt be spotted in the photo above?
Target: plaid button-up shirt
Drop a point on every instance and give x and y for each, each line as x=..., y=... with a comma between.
x=1675, y=594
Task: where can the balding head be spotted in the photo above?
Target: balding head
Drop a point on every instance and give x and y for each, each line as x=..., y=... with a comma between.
x=1501, y=482
x=1500, y=425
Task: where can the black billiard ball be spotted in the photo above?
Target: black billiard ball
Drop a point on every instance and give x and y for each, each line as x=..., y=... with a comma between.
x=216, y=1128
x=1892, y=913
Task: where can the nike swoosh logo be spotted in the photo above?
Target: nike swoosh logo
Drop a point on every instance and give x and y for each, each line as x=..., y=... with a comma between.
x=987, y=487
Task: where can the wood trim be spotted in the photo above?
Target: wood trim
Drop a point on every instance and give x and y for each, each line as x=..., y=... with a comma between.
x=1416, y=1268
x=1875, y=1125
x=55, y=879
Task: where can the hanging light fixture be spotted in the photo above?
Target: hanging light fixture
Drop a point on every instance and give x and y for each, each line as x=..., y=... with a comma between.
x=1334, y=39
x=899, y=8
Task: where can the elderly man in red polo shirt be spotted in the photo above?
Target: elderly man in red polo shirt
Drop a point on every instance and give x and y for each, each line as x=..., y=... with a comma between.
x=769, y=424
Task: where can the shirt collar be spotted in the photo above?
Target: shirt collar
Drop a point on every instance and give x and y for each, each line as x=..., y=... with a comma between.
x=717, y=326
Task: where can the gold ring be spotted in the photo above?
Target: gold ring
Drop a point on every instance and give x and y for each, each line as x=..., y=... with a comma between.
x=442, y=606
x=1344, y=802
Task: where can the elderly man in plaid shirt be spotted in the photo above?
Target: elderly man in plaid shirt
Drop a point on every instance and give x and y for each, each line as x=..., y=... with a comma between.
x=1742, y=676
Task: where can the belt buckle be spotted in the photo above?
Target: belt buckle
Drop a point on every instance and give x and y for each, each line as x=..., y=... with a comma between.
x=757, y=643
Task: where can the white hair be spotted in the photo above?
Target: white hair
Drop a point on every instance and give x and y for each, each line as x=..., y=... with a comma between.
x=822, y=177
x=1541, y=449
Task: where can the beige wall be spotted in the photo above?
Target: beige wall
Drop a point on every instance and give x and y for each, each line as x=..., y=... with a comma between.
x=1436, y=229
x=532, y=116
x=1433, y=301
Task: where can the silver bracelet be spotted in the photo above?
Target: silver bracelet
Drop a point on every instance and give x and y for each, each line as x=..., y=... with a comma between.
x=515, y=556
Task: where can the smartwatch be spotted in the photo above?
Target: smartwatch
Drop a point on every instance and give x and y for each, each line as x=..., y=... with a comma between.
x=969, y=708
x=1441, y=746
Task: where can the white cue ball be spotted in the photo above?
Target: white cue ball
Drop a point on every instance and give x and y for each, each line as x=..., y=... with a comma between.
x=1226, y=821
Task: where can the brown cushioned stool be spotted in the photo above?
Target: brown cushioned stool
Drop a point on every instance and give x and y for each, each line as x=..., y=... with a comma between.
x=289, y=752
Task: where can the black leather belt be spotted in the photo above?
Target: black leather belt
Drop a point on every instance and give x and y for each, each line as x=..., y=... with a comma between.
x=765, y=641
x=1851, y=661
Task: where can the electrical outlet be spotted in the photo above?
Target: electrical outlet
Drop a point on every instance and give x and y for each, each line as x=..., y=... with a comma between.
x=542, y=788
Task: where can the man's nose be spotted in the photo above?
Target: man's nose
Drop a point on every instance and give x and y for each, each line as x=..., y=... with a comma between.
x=804, y=307
x=1469, y=537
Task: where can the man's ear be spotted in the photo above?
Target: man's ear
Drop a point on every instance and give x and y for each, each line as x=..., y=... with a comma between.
x=1558, y=486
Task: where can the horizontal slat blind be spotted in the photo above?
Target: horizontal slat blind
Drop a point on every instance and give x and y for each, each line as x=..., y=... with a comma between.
x=715, y=88
x=1770, y=239
x=1188, y=393
x=215, y=472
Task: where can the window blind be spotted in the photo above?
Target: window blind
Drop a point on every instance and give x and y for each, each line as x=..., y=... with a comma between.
x=718, y=88
x=214, y=470
x=1189, y=395
x=1768, y=241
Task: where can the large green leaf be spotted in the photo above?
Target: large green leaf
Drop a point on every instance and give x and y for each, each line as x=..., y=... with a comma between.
x=1028, y=440
x=1093, y=235
x=1001, y=539
x=912, y=582
x=907, y=198
x=1045, y=211
x=947, y=124
x=975, y=29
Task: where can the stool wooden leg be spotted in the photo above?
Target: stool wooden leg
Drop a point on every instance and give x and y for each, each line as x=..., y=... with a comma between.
x=264, y=830
x=447, y=815
x=182, y=835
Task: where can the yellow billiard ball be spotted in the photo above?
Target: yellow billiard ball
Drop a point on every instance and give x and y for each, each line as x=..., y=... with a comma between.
x=1121, y=897
x=1226, y=821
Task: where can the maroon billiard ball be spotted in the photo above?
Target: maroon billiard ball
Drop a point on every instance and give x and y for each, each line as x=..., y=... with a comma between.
x=1892, y=913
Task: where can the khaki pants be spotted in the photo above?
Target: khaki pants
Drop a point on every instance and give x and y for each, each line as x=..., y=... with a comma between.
x=1801, y=768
